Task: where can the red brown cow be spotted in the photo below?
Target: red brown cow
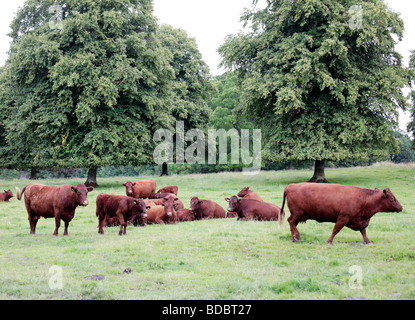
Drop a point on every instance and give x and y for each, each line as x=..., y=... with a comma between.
x=6, y=195
x=346, y=206
x=57, y=202
x=124, y=208
x=248, y=209
x=142, y=189
x=178, y=204
x=169, y=189
x=163, y=213
x=185, y=215
x=206, y=209
x=249, y=194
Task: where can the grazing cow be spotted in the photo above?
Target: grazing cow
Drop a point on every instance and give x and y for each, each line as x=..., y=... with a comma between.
x=57, y=202
x=163, y=213
x=124, y=208
x=346, y=206
x=6, y=195
x=169, y=189
x=206, y=209
x=140, y=190
x=245, y=193
x=248, y=209
x=185, y=215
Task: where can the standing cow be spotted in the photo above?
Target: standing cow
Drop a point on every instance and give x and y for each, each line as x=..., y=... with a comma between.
x=346, y=206
x=6, y=195
x=140, y=190
x=57, y=202
x=206, y=209
x=124, y=208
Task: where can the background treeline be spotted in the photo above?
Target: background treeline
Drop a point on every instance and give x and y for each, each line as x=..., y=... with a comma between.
x=225, y=114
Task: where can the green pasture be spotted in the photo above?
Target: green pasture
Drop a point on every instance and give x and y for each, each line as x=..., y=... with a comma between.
x=216, y=259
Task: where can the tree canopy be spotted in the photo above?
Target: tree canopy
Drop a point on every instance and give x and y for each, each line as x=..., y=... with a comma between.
x=90, y=86
x=321, y=84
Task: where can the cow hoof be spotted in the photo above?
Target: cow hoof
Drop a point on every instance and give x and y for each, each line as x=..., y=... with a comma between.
x=369, y=243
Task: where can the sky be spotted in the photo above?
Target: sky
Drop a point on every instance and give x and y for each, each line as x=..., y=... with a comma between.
x=210, y=21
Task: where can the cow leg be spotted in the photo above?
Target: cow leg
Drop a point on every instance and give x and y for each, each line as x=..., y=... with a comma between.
x=33, y=219
x=365, y=238
x=57, y=224
x=123, y=224
x=295, y=235
x=340, y=224
x=65, y=233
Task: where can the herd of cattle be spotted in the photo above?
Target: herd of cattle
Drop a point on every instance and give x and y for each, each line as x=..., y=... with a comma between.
x=346, y=206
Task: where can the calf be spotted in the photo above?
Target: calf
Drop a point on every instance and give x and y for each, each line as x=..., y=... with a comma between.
x=346, y=206
x=142, y=189
x=185, y=215
x=206, y=209
x=248, y=209
x=6, y=195
x=249, y=194
x=124, y=208
x=169, y=189
x=163, y=213
x=57, y=202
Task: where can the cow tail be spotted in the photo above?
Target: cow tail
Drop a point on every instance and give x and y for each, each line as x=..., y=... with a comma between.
x=19, y=193
x=282, y=213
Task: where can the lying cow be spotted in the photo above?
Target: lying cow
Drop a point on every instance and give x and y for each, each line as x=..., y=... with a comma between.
x=248, y=209
x=57, y=202
x=124, y=208
x=346, y=206
x=206, y=209
x=245, y=193
x=184, y=215
x=169, y=189
x=140, y=190
x=6, y=195
x=163, y=213
x=178, y=204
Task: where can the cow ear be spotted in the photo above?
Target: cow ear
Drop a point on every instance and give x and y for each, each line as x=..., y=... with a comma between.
x=148, y=207
x=200, y=201
x=90, y=189
x=162, y=204
x=134, y=183
x=385, y=193
x=124, y=184
x=227, y=199
x=166, y=199
x=74, y=189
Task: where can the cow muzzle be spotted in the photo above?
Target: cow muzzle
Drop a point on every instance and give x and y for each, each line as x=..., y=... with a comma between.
x=85, y=203
x=144, y=216
x=169, y=214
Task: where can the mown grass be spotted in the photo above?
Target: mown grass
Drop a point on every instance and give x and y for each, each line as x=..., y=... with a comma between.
x=216, y=259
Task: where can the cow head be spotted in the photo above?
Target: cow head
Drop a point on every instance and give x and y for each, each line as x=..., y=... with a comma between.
x=243, y=192
x=81, y=192
x=195, y=203
x=233, y=203
x=140, y=209
x=169, y=206
x=129, y=188
x=389, y=203
x=9, y=194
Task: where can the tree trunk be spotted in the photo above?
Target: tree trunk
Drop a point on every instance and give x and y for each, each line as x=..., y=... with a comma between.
x=164, y=170
x=33, y=174
x=319, y=176
x=91, y=181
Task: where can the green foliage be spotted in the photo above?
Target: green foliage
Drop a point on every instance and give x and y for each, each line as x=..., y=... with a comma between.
x=411, y=125
x=319, y=87
x=93, y=92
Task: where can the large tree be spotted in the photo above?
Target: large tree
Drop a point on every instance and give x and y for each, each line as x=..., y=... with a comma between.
x=411, y=125
x=86, y=84
x=322, y=78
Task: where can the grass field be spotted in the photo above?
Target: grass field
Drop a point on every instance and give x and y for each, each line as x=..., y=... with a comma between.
x=216, y=259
